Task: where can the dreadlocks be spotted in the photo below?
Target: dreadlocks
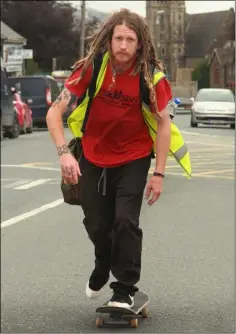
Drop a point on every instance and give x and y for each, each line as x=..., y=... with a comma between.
x=101, y=42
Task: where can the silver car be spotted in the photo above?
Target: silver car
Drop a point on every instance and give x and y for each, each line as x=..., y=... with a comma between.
x=213, y=106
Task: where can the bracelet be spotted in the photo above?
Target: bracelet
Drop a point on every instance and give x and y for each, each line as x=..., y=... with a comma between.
x=158, y=174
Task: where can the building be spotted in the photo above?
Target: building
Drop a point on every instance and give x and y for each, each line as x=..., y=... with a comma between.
x=222, y=66
x=12, y=50
x=205, y=32
x=183, y=40
x=166, y=23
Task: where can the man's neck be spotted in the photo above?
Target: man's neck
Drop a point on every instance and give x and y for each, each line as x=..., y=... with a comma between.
x=122, y=67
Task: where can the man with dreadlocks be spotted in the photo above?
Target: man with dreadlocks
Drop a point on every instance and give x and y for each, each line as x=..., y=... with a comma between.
x=117, y=150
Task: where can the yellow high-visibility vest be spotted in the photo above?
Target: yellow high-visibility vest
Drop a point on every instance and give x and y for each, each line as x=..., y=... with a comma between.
x=178, y=148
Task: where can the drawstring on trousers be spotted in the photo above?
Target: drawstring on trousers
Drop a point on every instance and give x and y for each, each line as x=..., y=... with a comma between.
x=104, y=179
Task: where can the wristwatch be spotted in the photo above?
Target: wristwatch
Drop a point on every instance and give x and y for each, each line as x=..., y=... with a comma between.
x=158, y=174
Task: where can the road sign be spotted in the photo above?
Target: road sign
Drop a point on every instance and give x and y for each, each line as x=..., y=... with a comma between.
x=28, y=54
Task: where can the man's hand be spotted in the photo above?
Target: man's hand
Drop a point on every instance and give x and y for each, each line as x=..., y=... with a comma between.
x=154, y=189
x=69, y=166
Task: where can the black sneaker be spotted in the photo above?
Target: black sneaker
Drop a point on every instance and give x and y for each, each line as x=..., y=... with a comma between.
x=97, y=280
x=121, y=300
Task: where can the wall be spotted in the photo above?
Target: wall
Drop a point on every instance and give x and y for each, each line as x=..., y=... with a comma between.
x=193, y=62
x=187, y=89
x=183, y=75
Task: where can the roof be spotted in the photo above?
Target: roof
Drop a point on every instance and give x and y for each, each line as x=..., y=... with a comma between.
x=201, y=31
x=224, y=55
x=10, y=35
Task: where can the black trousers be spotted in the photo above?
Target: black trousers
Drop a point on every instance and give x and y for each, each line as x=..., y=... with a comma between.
x=111, y=201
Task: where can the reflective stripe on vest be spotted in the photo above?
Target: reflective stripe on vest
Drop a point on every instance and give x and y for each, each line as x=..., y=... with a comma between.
x=181, y=152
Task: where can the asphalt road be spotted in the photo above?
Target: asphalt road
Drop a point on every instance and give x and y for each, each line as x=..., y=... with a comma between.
x=188, y=256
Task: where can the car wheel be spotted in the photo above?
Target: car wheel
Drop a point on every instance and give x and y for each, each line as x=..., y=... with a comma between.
x=193, y=124
x=15, y=129
x=232, y=126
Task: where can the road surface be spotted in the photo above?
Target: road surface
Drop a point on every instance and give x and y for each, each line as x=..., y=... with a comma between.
x=188, y=250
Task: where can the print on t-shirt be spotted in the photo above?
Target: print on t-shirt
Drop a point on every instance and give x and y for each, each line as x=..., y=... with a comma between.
x=117, y=99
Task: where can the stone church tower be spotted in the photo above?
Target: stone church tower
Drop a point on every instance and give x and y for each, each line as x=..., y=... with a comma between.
x=166, y=21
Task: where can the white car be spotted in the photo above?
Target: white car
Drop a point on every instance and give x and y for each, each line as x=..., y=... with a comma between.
x=213, y=106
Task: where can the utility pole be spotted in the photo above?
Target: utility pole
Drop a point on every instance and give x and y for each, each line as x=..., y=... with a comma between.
x=82, y=28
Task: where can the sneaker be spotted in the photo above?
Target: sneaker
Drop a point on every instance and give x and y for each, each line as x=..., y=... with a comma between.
x=92, y=294
x=121, y=300
x=97, y=280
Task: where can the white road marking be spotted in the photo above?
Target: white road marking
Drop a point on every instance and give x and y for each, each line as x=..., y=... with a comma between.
x=203, y=134
x=32, y=167
x=32, y=184
x=34, y=212
x=15, y=184
x=8, y=184
x=9, y=179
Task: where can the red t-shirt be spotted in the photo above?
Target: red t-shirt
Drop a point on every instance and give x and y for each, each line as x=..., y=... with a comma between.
x=115, y=131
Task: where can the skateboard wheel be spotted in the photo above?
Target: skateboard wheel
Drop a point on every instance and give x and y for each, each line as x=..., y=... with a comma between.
x=134, y=323
x=99, y=322
x=145, y=312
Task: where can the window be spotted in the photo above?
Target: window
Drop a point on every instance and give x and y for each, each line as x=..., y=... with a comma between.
x=226, y=74
x=216, y=75
x=216, y=95
x=162, y=22
x=30, y=87
x=54, y=87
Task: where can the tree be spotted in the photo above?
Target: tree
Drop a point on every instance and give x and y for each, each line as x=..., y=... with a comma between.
x=91, y=26
x=48, y=27
x=201, y=74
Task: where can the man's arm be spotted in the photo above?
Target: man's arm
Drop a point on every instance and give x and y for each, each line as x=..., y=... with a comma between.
x=162, y=140
x=55, y=123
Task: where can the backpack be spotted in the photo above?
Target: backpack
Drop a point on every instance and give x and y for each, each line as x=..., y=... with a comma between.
x=92, y=88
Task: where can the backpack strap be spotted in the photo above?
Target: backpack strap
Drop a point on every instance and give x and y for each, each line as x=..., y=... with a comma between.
x=145, y=93
x=91, y=89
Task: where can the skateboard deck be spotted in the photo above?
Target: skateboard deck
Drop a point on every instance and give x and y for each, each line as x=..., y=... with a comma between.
x=119, y=315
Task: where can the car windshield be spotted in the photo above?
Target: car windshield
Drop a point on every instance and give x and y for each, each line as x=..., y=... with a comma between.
x=215, y=96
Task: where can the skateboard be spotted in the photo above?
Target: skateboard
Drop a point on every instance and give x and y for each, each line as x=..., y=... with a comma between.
x=124, y=316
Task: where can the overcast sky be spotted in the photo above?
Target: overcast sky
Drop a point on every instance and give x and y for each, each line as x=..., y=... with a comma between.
x=139, y=6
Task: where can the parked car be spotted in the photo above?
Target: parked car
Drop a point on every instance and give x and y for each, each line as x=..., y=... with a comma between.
x=39, y=92
x=61, y=77
x=185, y=105
x=213, y=106
x=24, y=113
x=9, y=119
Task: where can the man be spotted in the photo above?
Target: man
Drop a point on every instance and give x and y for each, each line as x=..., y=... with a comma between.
x=117, y=150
